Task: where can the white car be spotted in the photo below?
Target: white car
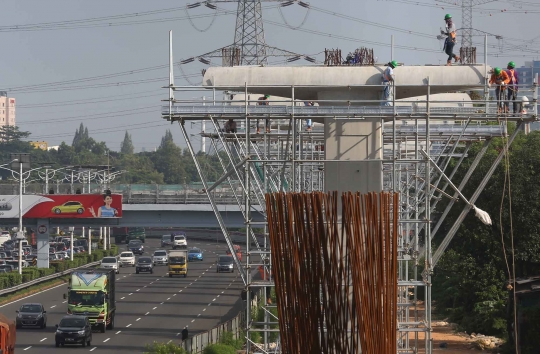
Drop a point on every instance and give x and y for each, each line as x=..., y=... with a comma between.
x=179, y=242
x=160, y=257
x=127, y=258
x=110, y=263
x=63, y=254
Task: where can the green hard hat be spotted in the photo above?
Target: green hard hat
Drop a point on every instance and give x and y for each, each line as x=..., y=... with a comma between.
x=394, y=64
x=266, y=96
x=497, y=71
x=447, y=17
x=511, y=64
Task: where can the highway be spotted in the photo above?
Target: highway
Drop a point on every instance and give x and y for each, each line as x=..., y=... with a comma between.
x=150, y=307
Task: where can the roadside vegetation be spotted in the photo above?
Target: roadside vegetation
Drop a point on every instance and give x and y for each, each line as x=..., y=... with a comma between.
x=470, y=281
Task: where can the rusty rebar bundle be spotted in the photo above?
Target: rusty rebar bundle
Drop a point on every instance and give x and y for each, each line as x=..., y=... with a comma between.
x=332, y=57
x=467, y=55
x=335, y=271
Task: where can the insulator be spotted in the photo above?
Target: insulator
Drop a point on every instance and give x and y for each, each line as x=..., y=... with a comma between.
x=204, y=61
x=185, y=61
x=310, y=59
x=287, y=3
x=290, y=60
x=210, y=6
x=192, y=6
x=303, y=4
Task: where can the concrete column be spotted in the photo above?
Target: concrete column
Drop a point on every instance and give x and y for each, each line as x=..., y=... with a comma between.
x=42, y=241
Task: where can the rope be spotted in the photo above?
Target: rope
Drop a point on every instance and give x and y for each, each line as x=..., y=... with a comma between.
x=511, y=277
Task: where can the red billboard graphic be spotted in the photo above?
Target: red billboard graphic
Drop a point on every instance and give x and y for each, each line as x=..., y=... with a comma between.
x=77, y=206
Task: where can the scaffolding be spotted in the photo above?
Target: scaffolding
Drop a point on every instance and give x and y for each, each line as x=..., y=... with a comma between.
x=417, y=135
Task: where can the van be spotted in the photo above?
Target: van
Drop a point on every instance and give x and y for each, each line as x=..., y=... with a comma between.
x=4, y=237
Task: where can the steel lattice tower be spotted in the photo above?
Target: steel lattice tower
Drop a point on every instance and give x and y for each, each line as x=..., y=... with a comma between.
x=467, y=18
x=249, y=33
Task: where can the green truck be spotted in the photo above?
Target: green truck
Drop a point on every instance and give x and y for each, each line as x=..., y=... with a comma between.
x=125, y=234
x=92, y=293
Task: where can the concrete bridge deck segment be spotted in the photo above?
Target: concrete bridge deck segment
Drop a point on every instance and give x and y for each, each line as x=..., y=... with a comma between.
x=344, y=83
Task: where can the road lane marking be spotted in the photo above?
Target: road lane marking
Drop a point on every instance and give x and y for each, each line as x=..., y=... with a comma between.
x=192, y=320
x=169, y=341
x=94, y=348
x=118, y=332
x=137, y=289
x=151, y=283
x=53, y=306
x=174, y=294
x=43, y=339
x=161, y=303
x=168, y=299
x=209, y=304
x=138, y=319
x=64, y=302
x=130, y=294
x=154, y=308
x=189, y=284
x=27, y=348
x=123, y=298
x=146, y=314
x=144, y=286
x=214, y=300
x=222, y=292
x=198, y=315
x=106, y=340
x=177, y=334
x=129, y=325
x=218, y=295
x=204, y=309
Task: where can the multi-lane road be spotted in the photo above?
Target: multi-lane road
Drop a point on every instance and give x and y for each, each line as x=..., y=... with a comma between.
x=150, y=307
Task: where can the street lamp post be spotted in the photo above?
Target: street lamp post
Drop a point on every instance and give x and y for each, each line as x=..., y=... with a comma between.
x=71, y=229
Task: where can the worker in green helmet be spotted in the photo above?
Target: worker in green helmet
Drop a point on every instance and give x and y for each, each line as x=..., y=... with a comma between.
x=388, y=81
x=500, y=79
x=512, y=89
x=450, y=42
x=263, y=101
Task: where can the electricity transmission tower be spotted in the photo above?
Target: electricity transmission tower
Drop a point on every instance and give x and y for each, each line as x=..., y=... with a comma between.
x=468, y=54
x=249, y=33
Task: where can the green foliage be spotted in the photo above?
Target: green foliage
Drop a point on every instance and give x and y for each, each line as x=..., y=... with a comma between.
x=469, y=282
x=127, y=145
x=227, y=338
x=219, y=349
x=164, y=348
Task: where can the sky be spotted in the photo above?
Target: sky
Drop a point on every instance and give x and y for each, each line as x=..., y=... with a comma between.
x=61, y=59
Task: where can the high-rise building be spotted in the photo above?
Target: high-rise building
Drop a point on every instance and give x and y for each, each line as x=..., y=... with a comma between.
x=528, y=71
x=7, y=109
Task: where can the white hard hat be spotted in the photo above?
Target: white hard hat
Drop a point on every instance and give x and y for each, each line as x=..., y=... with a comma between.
x=524, y=99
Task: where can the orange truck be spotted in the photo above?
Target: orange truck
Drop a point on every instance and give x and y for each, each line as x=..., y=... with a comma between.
x=7, y=335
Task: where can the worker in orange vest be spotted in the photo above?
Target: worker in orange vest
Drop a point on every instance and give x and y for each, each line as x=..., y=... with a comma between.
x=501, y=79
x=512, y=88
x=450, y=42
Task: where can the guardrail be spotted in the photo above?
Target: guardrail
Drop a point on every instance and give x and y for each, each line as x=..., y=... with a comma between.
x=45, y=278
x=206, y=235
x=198, y=342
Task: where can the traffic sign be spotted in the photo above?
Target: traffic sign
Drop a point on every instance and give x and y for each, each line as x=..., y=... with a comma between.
x=42, y=229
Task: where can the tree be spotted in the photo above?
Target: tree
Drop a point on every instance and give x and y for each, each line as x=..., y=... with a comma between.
x=127, y=145
x=166, y=139
x=469, y=282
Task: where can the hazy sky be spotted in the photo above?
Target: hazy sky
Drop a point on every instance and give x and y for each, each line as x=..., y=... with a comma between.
x=52, y=68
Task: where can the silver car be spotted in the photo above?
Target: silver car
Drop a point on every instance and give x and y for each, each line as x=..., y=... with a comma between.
x=160, y=257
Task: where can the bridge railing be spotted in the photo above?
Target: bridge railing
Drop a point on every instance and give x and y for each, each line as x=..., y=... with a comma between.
x=138, y=193
x=198, y=342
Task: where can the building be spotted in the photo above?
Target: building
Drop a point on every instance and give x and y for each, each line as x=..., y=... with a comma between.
x=7, y=109
x=528, y=71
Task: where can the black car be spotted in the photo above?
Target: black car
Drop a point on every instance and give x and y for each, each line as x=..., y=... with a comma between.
x=225, y=264
x=136, y=247
x=31, y=315
x=144, y=264
x=73, y=330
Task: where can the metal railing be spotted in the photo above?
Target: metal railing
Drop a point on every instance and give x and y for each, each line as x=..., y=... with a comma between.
x=45, y=278
x=198, y=342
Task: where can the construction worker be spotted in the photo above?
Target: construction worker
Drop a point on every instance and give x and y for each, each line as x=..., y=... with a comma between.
x=501, y=79
x=512, y=88
x=263, y=101
x=230, y=126
x=388, y=81
x=450, y=42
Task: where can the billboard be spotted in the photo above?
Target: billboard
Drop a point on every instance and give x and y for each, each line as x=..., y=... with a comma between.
x=67, y=206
